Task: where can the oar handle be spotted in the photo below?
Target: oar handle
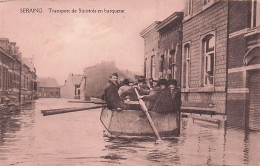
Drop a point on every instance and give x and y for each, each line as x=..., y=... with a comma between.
x=144, y=108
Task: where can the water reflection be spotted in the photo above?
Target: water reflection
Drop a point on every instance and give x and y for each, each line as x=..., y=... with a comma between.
x=28, y=138
x=9, y=123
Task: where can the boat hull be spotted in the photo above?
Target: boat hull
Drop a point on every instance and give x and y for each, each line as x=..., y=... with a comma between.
x=135, y=123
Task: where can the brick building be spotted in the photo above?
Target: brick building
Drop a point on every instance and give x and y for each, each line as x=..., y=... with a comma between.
x=163, y=48
x=243, y=90
x=151, y=51
x=17, y=75
x=205, y=55
x=10, y=66
x=28, y=81
x=170, y=31
x=220, y=58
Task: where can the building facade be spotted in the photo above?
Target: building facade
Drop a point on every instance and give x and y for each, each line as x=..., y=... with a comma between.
x=71, y=88
x=220, y=69
x=28, y=81
x=151, y=51
x=204, y=55
x=48, y=88
x=243, y=90
x=170, y=41
x=10, y=67
x=17, y=78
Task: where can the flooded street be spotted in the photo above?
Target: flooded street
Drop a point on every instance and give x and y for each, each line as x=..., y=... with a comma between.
x=28, y=138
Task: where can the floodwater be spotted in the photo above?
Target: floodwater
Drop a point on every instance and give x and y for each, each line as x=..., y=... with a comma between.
x=28, y=138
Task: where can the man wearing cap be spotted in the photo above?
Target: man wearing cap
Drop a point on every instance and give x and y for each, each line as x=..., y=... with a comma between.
x=159, y=99
x=111, y=94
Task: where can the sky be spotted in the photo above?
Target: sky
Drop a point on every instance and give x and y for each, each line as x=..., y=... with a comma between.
x=67, y=43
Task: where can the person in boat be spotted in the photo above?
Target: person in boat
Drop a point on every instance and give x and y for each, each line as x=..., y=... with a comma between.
x=130, y=93
x=111, y=95
x=151, y=83
x=176, y=95
x=159, y=99
x=125, y=86
x=142, y=83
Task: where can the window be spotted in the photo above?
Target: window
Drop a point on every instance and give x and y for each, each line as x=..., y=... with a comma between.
x=207, y=1
x=171, y=64
x=4, y=78
x=145, y=64
x=208, y=59
x=162, y=61
x=1, y=76
x=153, y=67
x=186, y=65
x=189, y=7
x=255, y=13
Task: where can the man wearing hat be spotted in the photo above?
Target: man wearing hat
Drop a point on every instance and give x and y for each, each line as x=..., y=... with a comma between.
x=111, y=94
x=176, y=95
x=159, y=98
x=141, y=83
x=130, y=93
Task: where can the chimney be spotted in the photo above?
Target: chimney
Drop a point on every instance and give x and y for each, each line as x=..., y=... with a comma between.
x=4, y=43
x=12, y=45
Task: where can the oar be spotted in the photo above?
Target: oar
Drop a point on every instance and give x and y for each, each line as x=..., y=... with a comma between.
x=144, y=108
x=66, y=110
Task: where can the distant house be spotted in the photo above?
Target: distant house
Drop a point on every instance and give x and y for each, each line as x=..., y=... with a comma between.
x=71, y=88
x=48, y=88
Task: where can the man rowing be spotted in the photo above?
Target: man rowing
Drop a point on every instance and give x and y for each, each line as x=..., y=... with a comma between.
x=159, y=99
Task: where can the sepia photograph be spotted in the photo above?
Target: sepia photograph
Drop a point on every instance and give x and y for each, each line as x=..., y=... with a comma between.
x=129, y=82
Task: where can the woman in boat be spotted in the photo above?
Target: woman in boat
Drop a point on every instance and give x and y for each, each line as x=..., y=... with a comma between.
x=159, y=98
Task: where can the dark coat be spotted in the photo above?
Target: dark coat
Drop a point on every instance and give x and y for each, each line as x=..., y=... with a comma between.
x=112, y=98
x=159, y=100
x=132, y=95
x=176, y=99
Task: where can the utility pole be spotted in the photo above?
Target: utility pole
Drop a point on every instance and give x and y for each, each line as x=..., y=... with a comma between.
x=20, y=84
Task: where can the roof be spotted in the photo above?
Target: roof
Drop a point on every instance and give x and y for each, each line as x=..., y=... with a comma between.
x=48, y=82
x=149, y=28
x=6, y=53
x=170, y=19
x=28, y=62
x=76, y=78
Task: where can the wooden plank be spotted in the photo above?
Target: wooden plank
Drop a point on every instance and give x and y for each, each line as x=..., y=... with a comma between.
x=94, y=102
x=80, y=101
x=199, y=112
x=67, y=110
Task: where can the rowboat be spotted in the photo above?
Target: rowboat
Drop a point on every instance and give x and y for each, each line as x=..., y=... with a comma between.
x=135, y=123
